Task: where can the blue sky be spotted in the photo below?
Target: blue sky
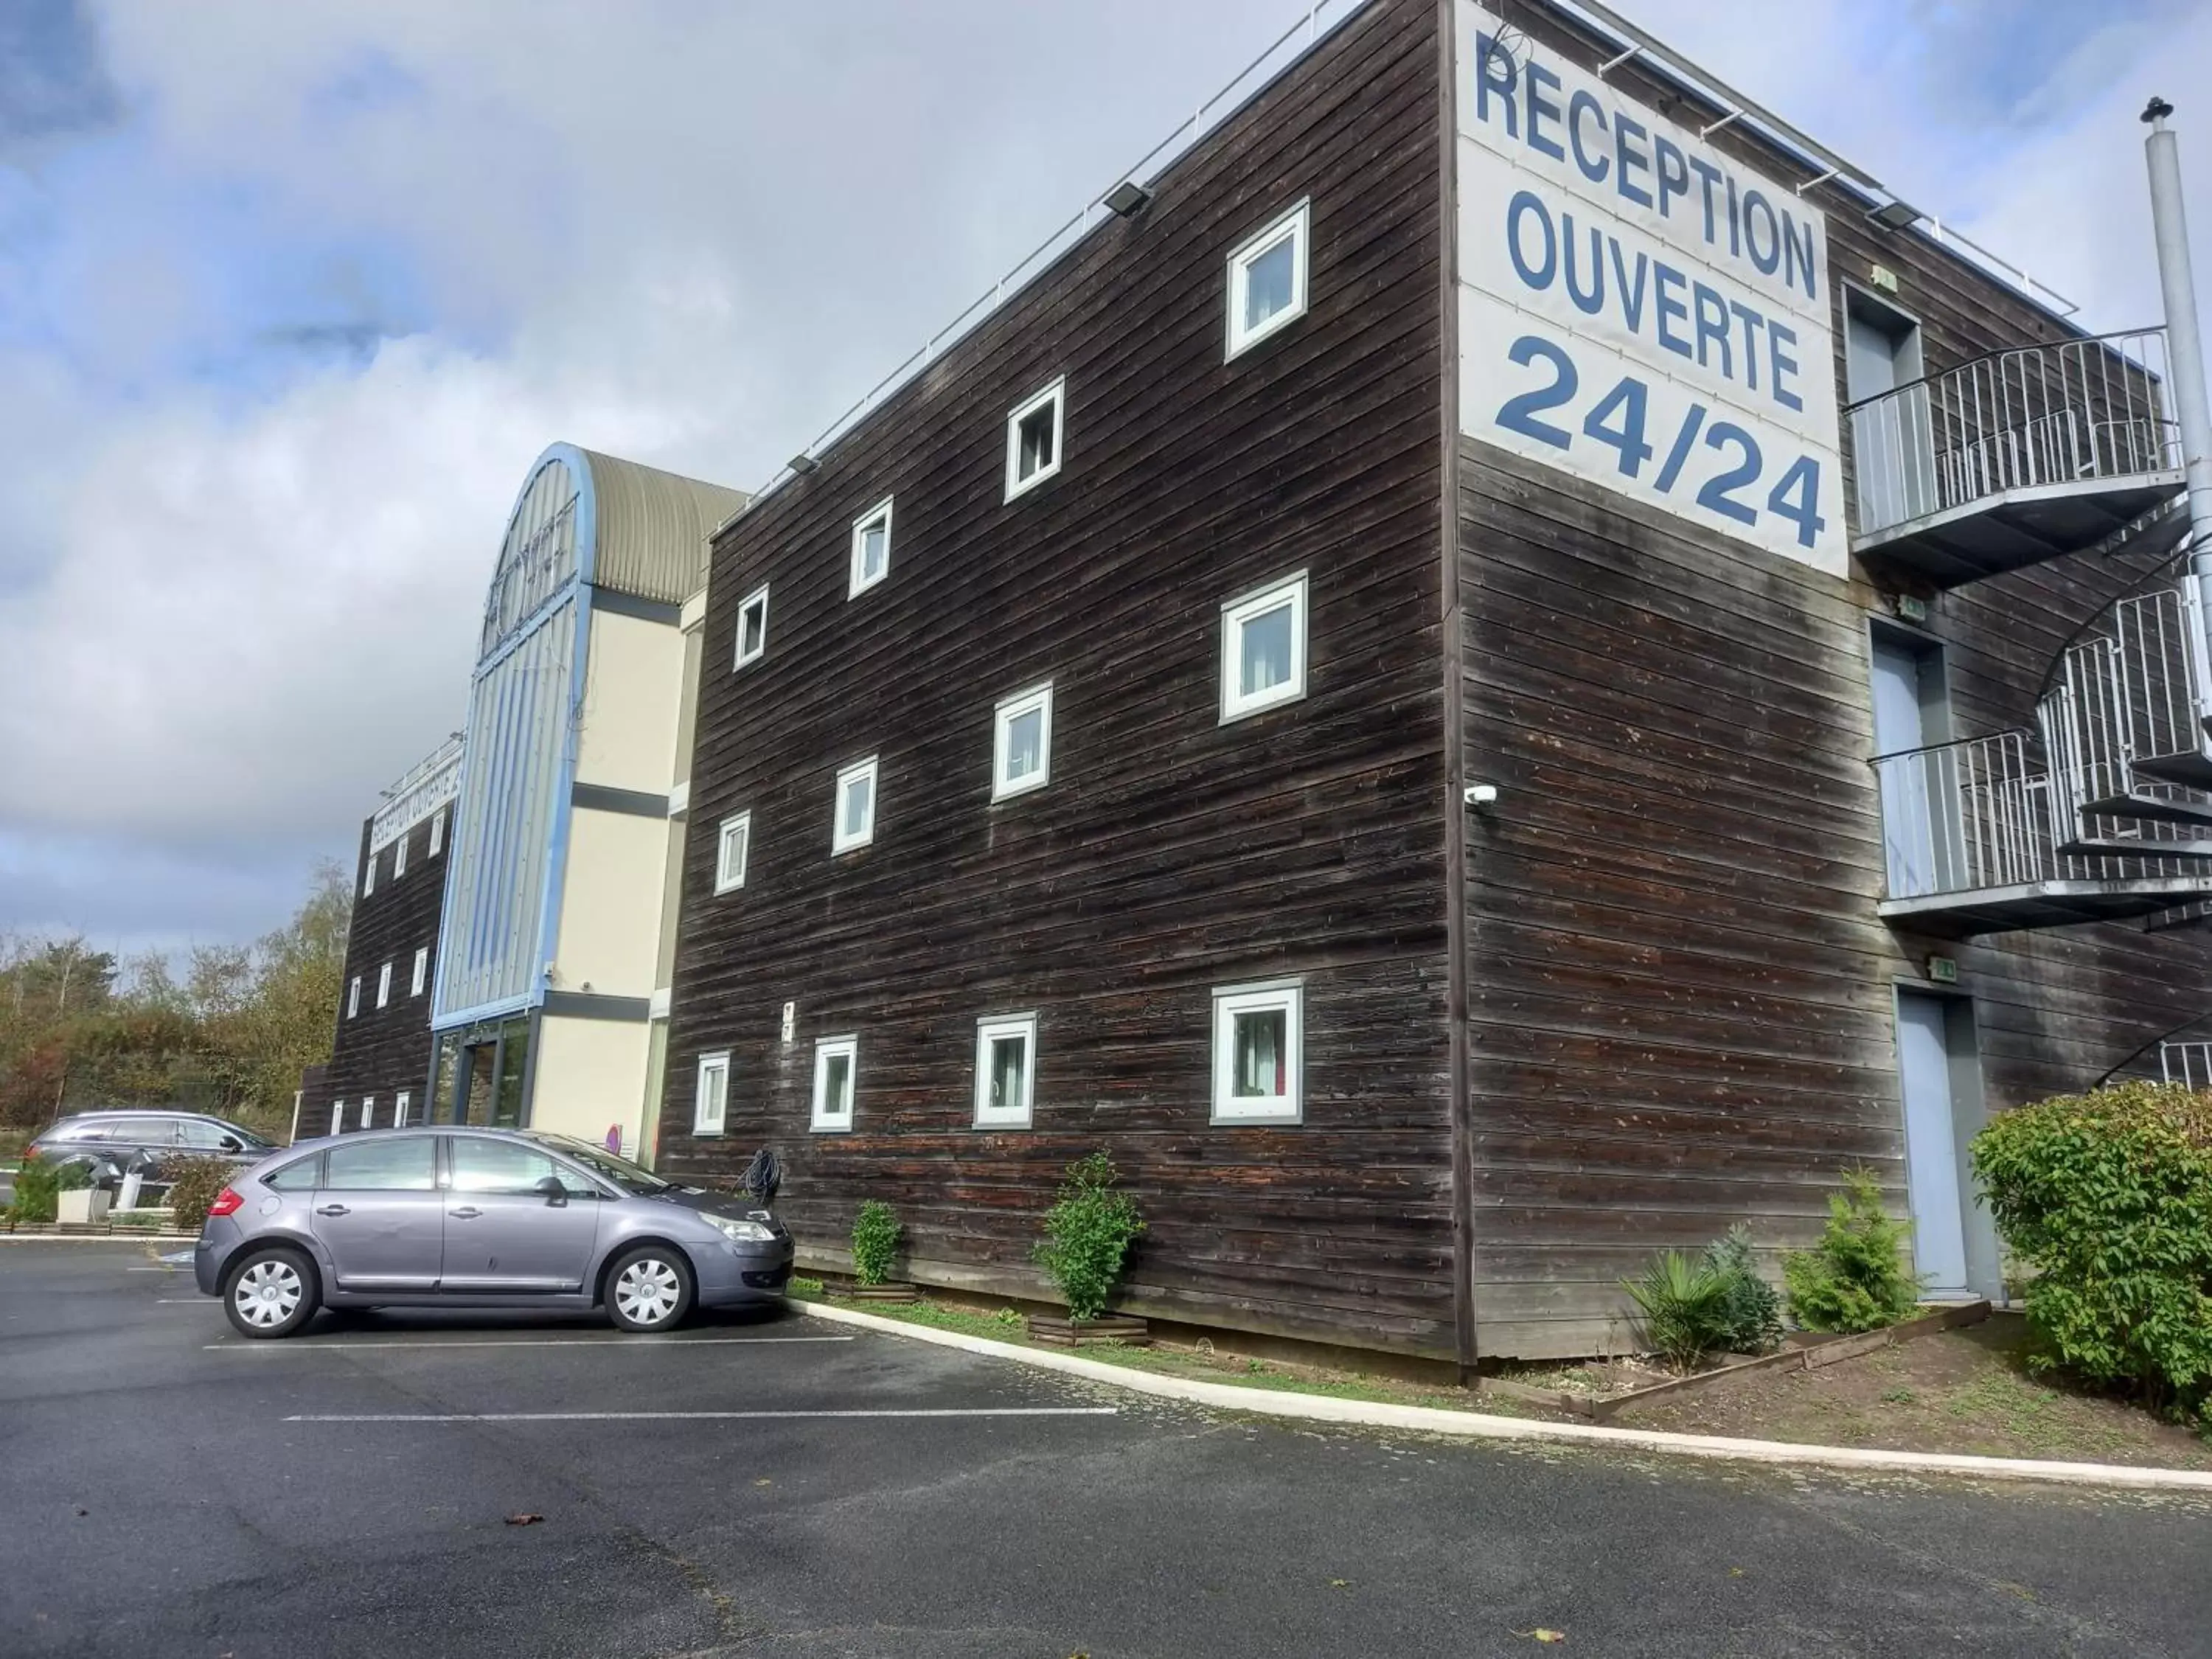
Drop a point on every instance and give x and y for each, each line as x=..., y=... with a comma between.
x=291, y=295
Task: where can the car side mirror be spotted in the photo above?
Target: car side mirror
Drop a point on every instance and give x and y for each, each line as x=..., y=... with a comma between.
x=232, y=1143
x=556, y=1194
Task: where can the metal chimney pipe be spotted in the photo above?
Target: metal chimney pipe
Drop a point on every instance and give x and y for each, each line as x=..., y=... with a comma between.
x=2184, y=338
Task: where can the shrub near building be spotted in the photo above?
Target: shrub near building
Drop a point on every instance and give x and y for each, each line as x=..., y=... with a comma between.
x=2107, y=1197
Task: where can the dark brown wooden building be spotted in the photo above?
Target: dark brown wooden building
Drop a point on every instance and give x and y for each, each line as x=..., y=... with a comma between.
x=380, y=1059
x=1476, y=686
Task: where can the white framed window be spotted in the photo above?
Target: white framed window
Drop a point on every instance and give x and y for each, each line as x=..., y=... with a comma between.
x=384, y=986
x=856, y=823
x=368, y=1111
x=752, y=626
x=1259, y=1052
x=353, y=997
x=1033, y=436
x=872, y=552
x=1263, y=648
x=1021, y=743
x=1005, y=1068
x=711, y=1106
x=836, y=1073
x=399, y=856
x=401, y=1103
x=369, y=881
x=730, y=847
x=421, y=975
x=1267, y=279
x=337, y=1117
x=437, y=832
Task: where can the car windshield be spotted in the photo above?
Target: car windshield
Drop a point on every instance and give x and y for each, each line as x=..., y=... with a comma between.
x=603, y=1164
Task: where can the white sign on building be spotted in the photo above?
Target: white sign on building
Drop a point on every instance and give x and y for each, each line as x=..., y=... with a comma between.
x=1638, y=308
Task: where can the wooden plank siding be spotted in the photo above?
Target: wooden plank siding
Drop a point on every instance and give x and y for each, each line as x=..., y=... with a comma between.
x=382, y=1051
x=1171, y=853
x=1680, y=996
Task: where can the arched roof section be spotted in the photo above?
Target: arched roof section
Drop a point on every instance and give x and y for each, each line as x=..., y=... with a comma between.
x=584, y=516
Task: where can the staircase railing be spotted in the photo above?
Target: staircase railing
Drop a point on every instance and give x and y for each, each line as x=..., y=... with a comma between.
x=2033, y=416
x=2092, y=794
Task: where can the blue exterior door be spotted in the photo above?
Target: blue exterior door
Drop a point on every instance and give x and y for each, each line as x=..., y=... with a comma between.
x=1907, y=838
x=1932, y=1168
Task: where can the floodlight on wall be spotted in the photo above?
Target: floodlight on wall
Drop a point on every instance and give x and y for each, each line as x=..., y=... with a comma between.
x=1127, y=198
x=1896, y=215
x=802, y=465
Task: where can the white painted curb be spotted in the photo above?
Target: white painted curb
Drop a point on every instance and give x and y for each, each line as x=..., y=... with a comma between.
x=1477, y=1425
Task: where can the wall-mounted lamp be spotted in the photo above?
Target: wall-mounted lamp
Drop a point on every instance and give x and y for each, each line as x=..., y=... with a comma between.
x=1896, y=215
x=802, y=465
x=1127, y=198
x=1481, y=794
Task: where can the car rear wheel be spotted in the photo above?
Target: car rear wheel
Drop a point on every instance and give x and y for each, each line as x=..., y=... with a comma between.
x=650, y=1288
x=271, y=1292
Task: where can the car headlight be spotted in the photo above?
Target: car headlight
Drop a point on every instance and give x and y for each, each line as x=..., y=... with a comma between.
x=742, y=1233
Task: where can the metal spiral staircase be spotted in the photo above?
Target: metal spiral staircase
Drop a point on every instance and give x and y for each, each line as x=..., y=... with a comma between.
x=2102, y=809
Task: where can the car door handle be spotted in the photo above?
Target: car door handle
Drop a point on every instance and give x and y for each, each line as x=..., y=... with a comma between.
x=466, y=1212
x=334, y=1209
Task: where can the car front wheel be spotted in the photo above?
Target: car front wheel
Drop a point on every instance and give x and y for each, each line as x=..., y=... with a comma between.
x=271, y=1292
x=650, y=1288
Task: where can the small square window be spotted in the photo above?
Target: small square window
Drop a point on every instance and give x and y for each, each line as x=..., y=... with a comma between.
x=1021, y=758
x=836, y=1067
x=752, y=626
x=437, y=834
x=712, y=1104
x=421, y=971
x=855, y=824
x=353, y=997
x=1267, y=280
x=872, y=552
x=1259, y=1046
x=1263, y=649
x=1033, y=439
x=730, y=851
x=401, y=1105
x=1006, y=1057
x=400, y=857
x=384, y=986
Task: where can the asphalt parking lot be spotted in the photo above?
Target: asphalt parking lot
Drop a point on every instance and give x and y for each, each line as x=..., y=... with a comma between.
x=787, y=1488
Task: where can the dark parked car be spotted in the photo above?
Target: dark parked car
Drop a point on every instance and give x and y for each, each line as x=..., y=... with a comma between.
x=462, y=1218
x=120, y=1143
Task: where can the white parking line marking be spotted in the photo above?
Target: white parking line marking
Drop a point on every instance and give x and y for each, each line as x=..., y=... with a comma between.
x=532, y=1342
x=701, y=1417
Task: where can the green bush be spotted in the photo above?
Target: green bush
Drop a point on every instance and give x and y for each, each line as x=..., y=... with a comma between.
x=39, y=1187
x=195, y=1182
x=1856, y=1278
x=876, y=1232
x=1750, y=1317
x=2108, y=1197
x=1679, y=1301
x=1087, y=1232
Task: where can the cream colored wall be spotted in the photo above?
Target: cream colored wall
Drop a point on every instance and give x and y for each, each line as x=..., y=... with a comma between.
x=610, y=904
x=633, y=697
x=591, y=1072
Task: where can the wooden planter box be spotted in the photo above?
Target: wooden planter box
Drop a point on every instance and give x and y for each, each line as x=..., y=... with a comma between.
x=1079, y=1332
x=896, y=1292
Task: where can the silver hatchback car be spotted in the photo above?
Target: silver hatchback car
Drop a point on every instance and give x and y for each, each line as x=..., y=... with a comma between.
x=462, y=1218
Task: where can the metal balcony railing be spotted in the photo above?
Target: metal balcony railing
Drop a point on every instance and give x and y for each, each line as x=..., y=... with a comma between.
x=2188, y=1064
x=2080, y=411
x=2109, y=788
x=1964, y=816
